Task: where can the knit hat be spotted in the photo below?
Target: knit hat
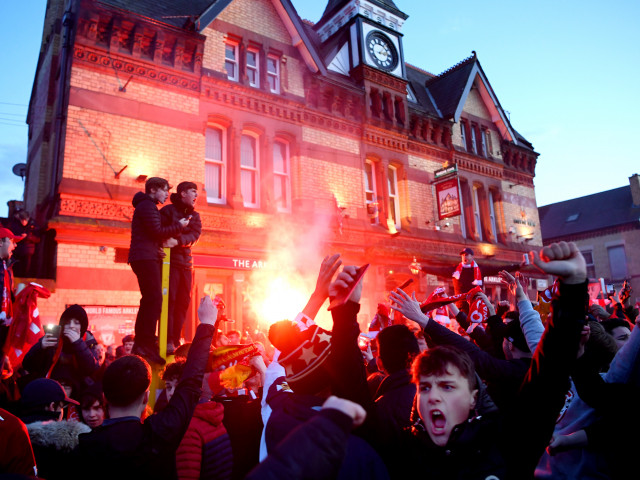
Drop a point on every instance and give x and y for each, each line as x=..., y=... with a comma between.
x=304, y=355
x=513, y=333
x=43, y=391
x=75, y=312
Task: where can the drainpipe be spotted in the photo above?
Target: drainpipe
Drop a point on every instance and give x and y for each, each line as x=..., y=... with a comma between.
x=68, y=23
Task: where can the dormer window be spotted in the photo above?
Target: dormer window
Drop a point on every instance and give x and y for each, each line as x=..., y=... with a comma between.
x=474, y=144
x=463, y=135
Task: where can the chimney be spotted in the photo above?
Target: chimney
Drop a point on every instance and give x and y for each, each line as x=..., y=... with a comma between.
x=634, y=183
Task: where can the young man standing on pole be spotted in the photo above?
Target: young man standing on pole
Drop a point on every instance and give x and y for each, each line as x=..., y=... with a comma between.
x=148, y=236
x=181, y=272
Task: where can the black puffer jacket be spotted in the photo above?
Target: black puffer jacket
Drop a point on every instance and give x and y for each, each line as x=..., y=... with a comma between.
x=171, y=214
x=147, y=232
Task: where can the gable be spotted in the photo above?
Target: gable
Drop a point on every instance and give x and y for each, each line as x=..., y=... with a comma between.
x=475, y=105
x=258, y=16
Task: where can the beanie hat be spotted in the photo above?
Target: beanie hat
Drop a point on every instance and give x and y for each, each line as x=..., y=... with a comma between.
x=513, y=333
x=75, y=312
x=304, y=355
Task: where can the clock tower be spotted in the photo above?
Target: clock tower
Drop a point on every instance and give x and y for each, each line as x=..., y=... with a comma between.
x=363, y=32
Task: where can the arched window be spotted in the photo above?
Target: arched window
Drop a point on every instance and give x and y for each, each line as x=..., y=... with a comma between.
x=281, y=176
x=250, y=170
x=215, y=170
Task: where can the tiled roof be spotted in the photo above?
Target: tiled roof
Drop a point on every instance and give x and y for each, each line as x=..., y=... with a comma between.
x=447, y=88
x=417, y=79
x=178, y=13
x=335, y=5
x=586, y=214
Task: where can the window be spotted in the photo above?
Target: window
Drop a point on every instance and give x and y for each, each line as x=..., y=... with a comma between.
x=483, y=139
x=394, y=199
x=476, y=212
x=215, y=170
x=617, y=262
x=273, y=73
x=231, y=60
x=588, y=258
x=253, y=67
x=281, y=176
x=463, y=135
x=474, y=145
x=492, y=216
x=249, y=171
x=371, y=198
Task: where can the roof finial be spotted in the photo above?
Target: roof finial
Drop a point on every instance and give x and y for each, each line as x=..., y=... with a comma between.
x=473, y=52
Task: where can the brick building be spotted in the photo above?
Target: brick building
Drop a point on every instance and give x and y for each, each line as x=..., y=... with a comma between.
x=606, y=228
x=304, y=138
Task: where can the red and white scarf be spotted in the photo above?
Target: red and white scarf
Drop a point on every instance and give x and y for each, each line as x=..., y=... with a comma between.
x=476, y=272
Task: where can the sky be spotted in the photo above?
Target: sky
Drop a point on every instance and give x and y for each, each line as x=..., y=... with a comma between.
x=565, y=71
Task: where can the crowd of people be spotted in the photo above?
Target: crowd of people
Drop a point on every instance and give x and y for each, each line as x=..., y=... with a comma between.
x=477, y=391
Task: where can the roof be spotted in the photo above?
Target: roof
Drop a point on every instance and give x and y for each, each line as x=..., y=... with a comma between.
x=417, y=79
x=602, y=210
x=448, y=87
x=333, y=6
x=178, y=13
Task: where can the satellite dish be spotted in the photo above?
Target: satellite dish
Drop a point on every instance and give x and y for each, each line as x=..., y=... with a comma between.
x=20, y=169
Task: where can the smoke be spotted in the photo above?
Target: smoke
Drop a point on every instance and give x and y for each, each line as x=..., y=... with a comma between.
x=281, y=289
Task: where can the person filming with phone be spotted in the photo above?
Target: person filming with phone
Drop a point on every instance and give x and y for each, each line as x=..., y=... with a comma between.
x=65, y=349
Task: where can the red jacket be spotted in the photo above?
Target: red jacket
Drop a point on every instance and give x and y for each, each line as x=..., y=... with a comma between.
x=205, y=450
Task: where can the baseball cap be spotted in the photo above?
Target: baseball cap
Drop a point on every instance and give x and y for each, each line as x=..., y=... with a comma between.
x=43, y=391
x=5, y=232
x=467, y=250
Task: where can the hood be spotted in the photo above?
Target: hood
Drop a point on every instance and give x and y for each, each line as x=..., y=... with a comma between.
x=210, y=412
x=62, y=435
x=176, y=200
x=140, y=197
x=396, y=380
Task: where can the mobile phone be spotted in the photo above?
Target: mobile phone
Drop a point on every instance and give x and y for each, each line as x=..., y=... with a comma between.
x=609, y=288
x=344, y=295
x=53, y=330
x=603, y=288
x=525, y=258
x=363, y=342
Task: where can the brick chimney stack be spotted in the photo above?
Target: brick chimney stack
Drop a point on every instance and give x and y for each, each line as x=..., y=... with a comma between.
x=634, y=183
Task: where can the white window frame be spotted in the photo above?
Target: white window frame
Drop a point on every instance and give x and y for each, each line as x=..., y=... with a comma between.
x=463, y=135
x=624, y=263
x=220, y=163
x=370, y=193
x=232, y=61
x=274, y=75
x=282, y=177
x=253, y=68
x=483, y=140
x=253, y=170
x=394, y=198
x=476, y=213
x=586, y=253
x=492, y=216
x=474, y=144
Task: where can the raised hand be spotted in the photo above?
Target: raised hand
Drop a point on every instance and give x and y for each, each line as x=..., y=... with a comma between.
x=563, y=260
x=328, y=268
x=408, y=306
x=345, y=280
x=207, y=311
x=349, y=408
x=183, y=222
x=169, y=243
x=491, y=309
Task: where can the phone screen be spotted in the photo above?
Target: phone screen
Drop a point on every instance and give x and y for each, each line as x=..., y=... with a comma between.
x=342, y=298
x=53, y=330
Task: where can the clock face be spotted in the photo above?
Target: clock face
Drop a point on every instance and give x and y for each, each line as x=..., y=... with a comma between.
x=382, y=51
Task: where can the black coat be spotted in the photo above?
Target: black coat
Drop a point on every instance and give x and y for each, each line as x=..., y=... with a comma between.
x=394, y=401
x=171, y=214
x=508, y=443
x=76, y=360
x=147, y=232
x=126, y=448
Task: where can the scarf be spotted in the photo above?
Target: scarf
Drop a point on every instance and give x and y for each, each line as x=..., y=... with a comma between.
x=476, y=272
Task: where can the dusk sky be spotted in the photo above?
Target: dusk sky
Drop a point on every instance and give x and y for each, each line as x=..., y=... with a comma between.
x=566, y=73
